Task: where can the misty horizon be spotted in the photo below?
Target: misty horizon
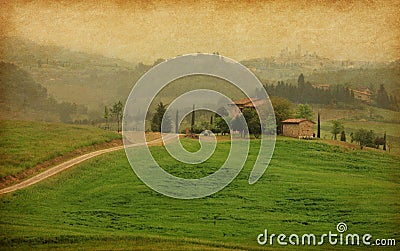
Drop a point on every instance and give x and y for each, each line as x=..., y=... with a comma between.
x=144, y=32
x=278, y=55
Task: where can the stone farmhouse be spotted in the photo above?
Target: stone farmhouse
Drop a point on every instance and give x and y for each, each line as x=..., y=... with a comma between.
x=362, y=93
x=298, y=128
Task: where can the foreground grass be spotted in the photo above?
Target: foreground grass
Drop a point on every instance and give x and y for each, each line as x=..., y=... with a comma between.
x=26, y=144
x=308, y=188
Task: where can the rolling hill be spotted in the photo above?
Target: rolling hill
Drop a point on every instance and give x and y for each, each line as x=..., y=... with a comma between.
x=75, y=77
x=96, y=81
x=309, y=187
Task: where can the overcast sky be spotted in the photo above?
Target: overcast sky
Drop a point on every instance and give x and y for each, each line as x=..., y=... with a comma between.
x=145, y=31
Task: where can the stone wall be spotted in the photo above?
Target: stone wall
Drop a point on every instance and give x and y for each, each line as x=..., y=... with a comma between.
x=306, y=129
x=291, y=130
x=303, y=129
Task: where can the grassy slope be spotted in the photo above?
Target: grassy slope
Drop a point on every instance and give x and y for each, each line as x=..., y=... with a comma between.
x=358, y=113
x=392, y=130
x=26, y=144
x=367, y=117
x=308, y=188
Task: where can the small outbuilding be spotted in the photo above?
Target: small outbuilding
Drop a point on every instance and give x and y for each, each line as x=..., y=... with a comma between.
x=298, y=128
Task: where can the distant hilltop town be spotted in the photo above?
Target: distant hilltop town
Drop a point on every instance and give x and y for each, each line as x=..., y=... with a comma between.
x=287, y=54
x=299, y=56
x=288, y=63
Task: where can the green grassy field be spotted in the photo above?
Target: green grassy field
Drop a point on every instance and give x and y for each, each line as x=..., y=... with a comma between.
x=355, y=113
x=309, y=187
x=26, y=144
x=392, y=131
x=368, y=117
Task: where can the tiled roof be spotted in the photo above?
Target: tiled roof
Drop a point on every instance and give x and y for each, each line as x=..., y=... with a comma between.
x=245, y=101
x=362, y=92
x=295, y=121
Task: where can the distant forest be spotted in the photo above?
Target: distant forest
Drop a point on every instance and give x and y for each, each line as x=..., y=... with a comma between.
x=23, y=98
x=51, y=83
x=304, y=92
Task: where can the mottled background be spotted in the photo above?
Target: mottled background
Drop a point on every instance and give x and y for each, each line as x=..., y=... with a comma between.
x=147, y=30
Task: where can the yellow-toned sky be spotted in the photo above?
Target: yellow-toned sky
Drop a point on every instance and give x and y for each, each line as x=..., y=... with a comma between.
x=145, y=31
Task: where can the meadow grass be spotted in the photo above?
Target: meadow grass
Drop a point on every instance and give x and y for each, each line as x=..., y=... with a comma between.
x=356, y=113
x=392, y=131
x=363, y=116
x=25, y=144
x=309, y=187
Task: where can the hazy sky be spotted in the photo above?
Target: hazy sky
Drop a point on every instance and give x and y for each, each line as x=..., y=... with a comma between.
x=145, y=31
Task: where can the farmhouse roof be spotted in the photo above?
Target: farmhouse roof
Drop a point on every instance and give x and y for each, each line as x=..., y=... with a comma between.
x=367, y=93
x=364, y=89
x=245, y=101
x=320, y=86
x=296, y=121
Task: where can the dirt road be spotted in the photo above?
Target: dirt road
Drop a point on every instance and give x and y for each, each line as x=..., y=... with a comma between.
x=61, y=167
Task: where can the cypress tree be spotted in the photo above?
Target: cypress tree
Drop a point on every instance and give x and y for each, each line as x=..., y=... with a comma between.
x=300, y=81
x=384, y=141
x=176, y=122
x=192, y=122
x=382, y=98
x=343, y=136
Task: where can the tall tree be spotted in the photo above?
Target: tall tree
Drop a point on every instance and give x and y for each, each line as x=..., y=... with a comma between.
x=300, y=81
x=337, y=127
x=253, y=121
x=176, y=122
x=116, y=110
x=364, y=137
x=304, y=111
x=343, y=136
x=192, y=122
x=282, y=109
x=106, y=115
x=382, y=98
x=158, y=117
x=220, y=125
x=384, y=141
x=238, y=124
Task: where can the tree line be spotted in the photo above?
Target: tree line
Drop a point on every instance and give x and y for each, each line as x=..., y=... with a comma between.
x=361, y=136
x=209, y=121
x=114, y=114
x=22, y=95
x=221, y=122
x=305, y=92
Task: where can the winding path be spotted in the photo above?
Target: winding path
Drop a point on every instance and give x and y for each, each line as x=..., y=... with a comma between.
x=65, y=165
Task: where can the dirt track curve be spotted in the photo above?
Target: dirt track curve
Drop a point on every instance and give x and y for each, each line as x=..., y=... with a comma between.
x=63, y=166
